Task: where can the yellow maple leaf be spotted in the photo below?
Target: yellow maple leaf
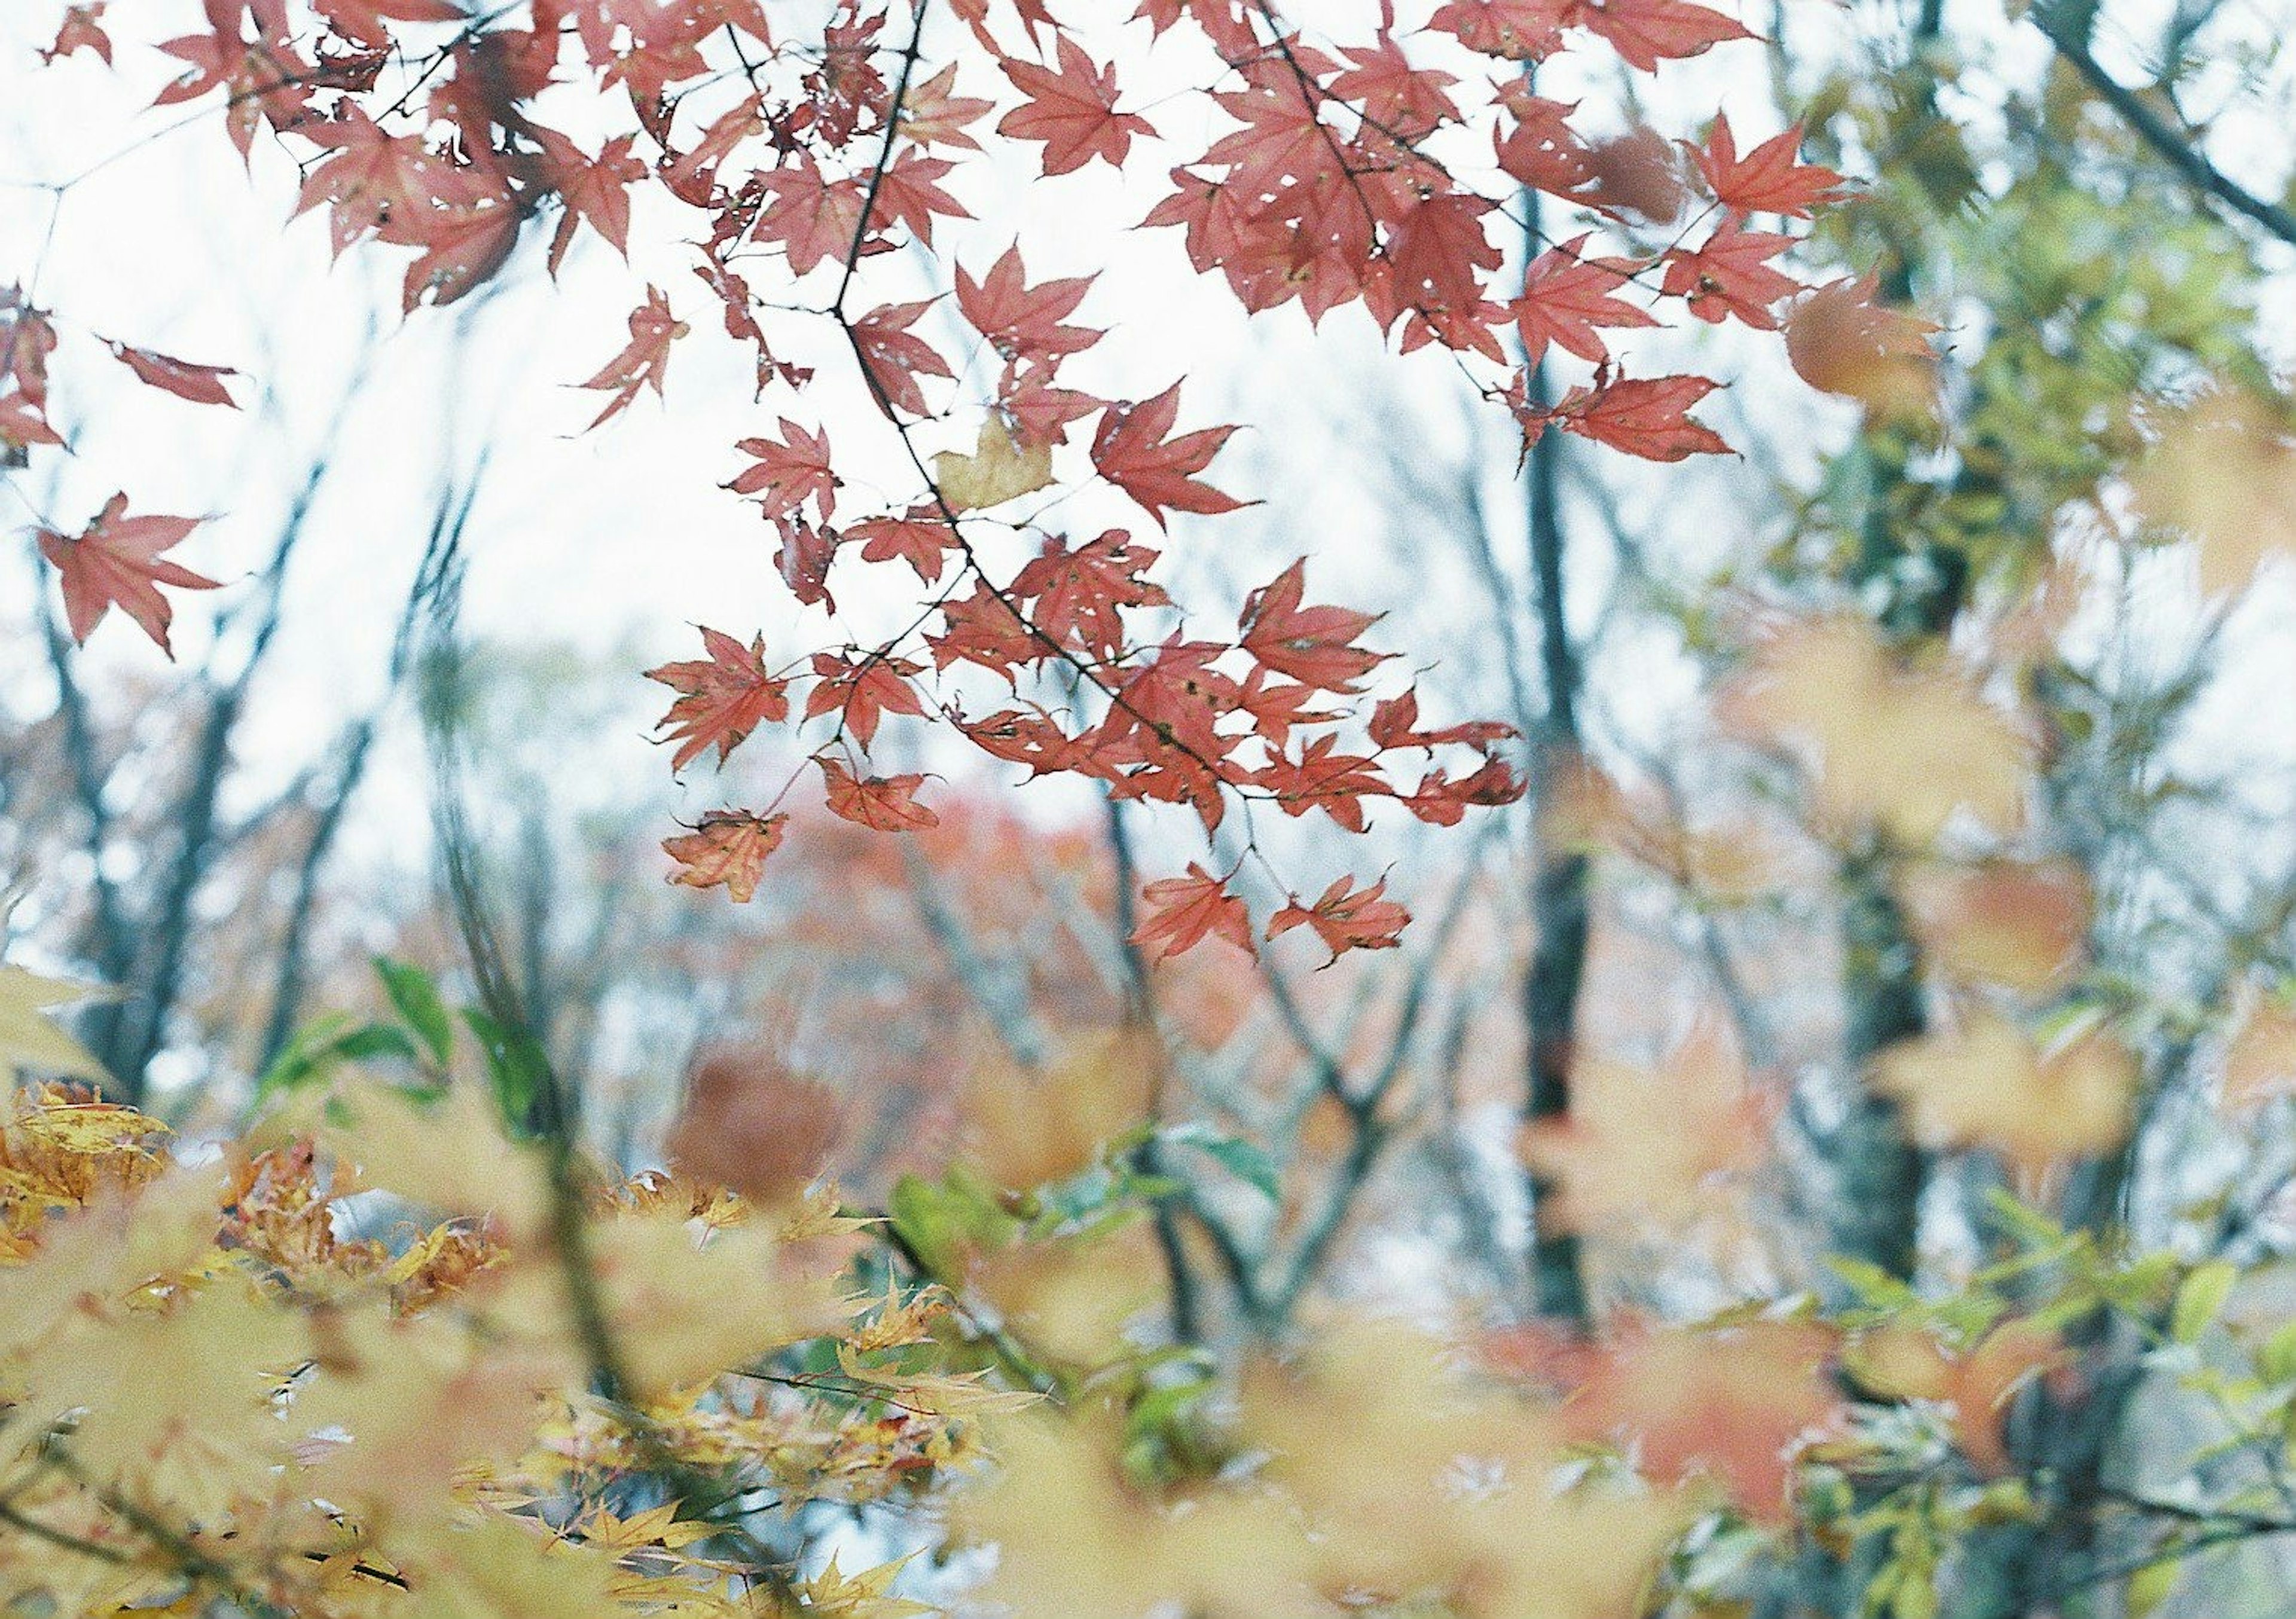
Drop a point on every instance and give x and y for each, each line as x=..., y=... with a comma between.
x=28, y=1040
x=1898, y=746
x=866, y=1595
x=1987, y=1083
x=2223, y=470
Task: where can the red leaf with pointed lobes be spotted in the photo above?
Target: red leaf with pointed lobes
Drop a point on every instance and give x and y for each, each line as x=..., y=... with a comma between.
x=82, y=30
x=932, y=115
x=910, y=193
x=1731, y=275
x=896, y=357
x=1021, y=321
x=1646, y=32
x=1439, y=252
x=462, y=247
x=643, y=360
x=1080, y=594
x=728, y=849
x=1395, y=723
x=1541, y=150
x=1131, y=452
x=1183, y=912
x=1041, y=411
x=200, y=384
x=1225, y=23
x=115, y=562
x=1439, y=801
x=368, y=22
x=1276, y=708
x=1072, y=111
x=27, y=339
x=813, y=218
x=22, y=424
x=882, y=804
x=722, y=697
x=1314, y=645
x=919, y=537
x=1362, y=920
x=1645, y=417
x=982, y=629
x=1519, y=30
x=789, y=473
x=692, y=178
x=804, y=558
x=1566, y=296
x=859, y=693
x=1401, y=98
x=1323, y=778
x=374, y=181
x=593, y=190
x=1770, y=179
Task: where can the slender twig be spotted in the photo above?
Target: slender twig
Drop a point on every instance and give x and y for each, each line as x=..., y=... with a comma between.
x=2175, y=148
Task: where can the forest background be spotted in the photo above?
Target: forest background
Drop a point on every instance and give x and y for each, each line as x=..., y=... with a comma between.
x=1783, y=1106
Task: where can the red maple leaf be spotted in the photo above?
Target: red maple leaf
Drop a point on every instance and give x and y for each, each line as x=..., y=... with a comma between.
x=115, y=561
x=1345, y=921
x=1770, y=179
x=1314, y=645
x=28, y=338
x=1080, y=593
x=643, y=359
x=910, y=193
x=1647, y=31
x=789, y=473
x=896, y=357
x=81, y=31
x=919, y=537
x=859, y=693
x=1395, y=723
x=595, y=190
x=1566, y=296
x=1645, y=417
x=882, y=804
x=374, y=181
x=1131, y=451
x=1731, y=275
x=804, y=558
x=983, y=629
x=200, y=384
x=1072, y=111
x=1519, y=30
x=1021, y=321
x=813, y=218
x=933, y=116
x=691, y=177
x=368, y=22
x=1325, y=779
x=722, y=697
x=1183, y=912
x=728, y=849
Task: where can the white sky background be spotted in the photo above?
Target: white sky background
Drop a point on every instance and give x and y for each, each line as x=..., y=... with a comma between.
x=615, y=540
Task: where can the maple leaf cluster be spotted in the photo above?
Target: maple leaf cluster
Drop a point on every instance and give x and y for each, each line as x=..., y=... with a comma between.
x=1383, y=170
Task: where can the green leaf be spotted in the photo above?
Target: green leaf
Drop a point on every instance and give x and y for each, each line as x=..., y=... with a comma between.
x=516, y=1067
x=2276, y=1361
x=2200, y=1299
x=2149, y=1587
x=324, y=1044
x=415, y=994
x=1246, y=1161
